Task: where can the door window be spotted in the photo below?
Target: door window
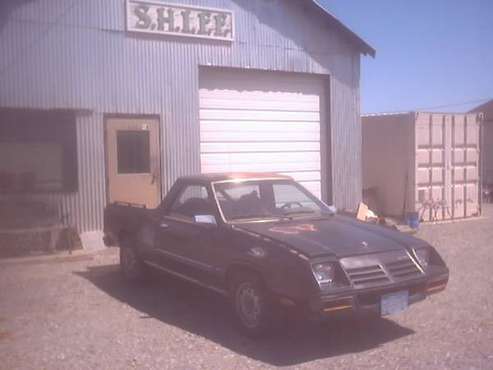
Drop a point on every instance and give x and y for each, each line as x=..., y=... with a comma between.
x=193, y=201
x=133, y=152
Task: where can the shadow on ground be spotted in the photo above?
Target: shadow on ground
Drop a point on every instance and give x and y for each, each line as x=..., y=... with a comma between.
x=206, y=314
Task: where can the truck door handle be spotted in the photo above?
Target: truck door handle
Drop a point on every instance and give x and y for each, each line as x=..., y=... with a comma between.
x=163, y=225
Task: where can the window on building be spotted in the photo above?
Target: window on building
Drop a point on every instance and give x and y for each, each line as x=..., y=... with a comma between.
x=133, y=150
x=38, y=151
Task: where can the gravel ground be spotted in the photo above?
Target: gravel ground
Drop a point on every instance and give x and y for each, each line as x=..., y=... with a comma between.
x=76, y=312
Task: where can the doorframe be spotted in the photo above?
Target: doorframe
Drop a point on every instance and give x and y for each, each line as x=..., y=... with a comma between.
x=326, y=140
x=155, y=117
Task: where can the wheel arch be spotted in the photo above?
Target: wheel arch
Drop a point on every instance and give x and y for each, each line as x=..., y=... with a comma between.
x=243, y=267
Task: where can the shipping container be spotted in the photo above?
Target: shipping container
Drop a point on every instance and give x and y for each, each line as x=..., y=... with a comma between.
x=423, y=162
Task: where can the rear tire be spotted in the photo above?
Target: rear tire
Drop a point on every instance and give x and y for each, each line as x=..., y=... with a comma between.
x=252, y=305
x=131, y=265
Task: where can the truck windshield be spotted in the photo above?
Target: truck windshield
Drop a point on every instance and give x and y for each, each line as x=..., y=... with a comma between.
x=265, y=199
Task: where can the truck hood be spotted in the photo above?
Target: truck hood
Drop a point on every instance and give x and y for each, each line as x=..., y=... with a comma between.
x=333, y=235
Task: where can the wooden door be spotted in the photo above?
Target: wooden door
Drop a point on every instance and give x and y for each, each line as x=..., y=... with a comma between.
x=133, y=164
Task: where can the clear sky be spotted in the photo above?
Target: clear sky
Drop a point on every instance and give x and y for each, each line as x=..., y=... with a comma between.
x=430, y=53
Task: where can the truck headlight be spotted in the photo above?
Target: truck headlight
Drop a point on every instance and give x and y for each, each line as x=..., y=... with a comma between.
x=423, y=256
x=324, y=273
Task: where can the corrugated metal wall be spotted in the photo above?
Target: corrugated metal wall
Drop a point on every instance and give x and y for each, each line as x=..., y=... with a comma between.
x=76, y=55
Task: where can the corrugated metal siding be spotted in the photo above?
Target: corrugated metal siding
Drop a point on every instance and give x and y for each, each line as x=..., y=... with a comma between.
x=346, y=138
x=74, y=54
x=91, y=198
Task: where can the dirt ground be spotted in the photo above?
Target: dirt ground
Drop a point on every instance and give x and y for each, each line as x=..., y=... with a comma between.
x=77, y=313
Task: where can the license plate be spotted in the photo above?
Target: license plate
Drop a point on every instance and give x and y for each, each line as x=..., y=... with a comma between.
x=394, y=303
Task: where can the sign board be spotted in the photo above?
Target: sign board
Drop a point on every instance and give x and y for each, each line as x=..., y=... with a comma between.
x=179, y=20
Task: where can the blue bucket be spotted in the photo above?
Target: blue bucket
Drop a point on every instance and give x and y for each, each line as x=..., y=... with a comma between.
x=412, y=220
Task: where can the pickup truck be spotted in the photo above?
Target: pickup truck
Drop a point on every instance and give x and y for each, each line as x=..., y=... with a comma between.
x=267, y=243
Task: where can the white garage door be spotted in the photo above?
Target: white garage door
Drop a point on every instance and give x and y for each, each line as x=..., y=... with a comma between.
x=261, y=122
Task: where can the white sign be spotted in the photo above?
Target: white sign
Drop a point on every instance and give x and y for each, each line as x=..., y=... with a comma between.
x=179, y=20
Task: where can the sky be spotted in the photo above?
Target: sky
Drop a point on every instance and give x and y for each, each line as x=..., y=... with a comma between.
x=432, y=55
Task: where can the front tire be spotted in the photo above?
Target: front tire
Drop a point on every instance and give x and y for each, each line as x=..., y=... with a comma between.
x=252, y=305
x=131, y=265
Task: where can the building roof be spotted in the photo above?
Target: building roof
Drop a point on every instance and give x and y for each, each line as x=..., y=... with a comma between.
x=364, y=47
x=380, y=114
x=486, y=109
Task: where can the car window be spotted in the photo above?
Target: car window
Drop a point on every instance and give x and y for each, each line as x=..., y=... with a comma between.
x=287, y=195
x=241, y=200
x=235, y=192
x=194, y=200
x=264, y=199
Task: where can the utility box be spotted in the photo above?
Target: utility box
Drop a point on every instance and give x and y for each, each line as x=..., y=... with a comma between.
x=423, y=162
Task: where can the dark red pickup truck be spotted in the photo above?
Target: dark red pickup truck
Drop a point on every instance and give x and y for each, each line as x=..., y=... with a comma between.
x=268, y=243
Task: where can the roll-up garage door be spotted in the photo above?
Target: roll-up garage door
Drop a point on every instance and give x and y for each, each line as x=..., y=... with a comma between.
x=261, y=122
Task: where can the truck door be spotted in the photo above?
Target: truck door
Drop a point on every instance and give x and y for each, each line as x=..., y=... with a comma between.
x=182, y=242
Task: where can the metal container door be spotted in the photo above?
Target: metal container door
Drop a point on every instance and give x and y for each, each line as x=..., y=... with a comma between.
x=465, y=165
x=432, y=197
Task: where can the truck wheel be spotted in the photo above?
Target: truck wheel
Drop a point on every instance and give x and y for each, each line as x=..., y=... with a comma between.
x=252, y=305
x=131, y=264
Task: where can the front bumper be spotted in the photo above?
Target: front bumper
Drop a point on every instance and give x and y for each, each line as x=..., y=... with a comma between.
x=366, y=301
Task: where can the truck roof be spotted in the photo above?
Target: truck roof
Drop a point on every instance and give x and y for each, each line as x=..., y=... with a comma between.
x=227, y=176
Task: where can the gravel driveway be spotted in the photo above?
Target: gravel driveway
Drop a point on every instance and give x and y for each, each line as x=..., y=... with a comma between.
x=77, y=313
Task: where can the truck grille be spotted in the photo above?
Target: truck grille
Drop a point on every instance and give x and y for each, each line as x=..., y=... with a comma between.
x=367, y=275
x=403, y=269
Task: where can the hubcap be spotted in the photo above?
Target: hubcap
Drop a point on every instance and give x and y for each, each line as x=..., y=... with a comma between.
x=249, y=304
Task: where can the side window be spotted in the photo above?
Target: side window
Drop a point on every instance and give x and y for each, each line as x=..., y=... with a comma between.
x=193, y=201
x=240, y=200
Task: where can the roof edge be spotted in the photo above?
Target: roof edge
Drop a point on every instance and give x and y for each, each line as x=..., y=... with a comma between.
x=365, y=48
x=403, y=113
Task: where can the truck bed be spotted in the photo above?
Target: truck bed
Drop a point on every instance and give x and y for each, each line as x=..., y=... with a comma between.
x=124, y=218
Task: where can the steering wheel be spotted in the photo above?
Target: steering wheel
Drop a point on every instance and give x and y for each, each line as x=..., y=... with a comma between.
x=289, y=205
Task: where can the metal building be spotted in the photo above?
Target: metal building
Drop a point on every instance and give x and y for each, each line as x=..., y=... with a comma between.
x=423, y=162
x=487, y=139
x=132, y=94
